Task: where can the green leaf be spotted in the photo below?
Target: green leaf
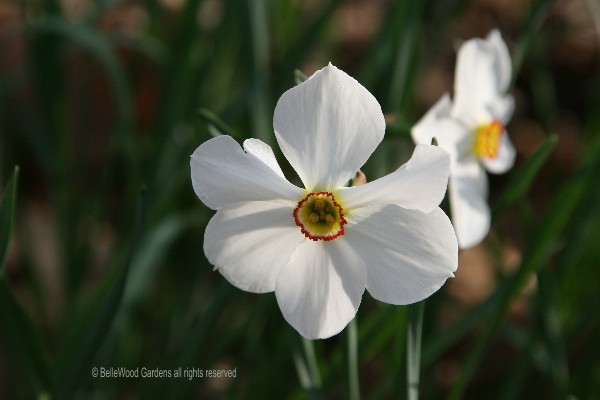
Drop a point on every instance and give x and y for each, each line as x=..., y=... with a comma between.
x=101, y=48
x=215, y=125
x=523, y=178
x=299, y=76
x=21, y=341
x=433, y=350
x=98, y=46
x=16, y=326
x=157, y=243
x=7, y=215
x=551, y=328
x=305, y=42
x=410, y=16
x=531, y=32
x=190, y=351
x=77, y=364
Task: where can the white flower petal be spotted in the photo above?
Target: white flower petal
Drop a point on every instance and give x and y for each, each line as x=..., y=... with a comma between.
x=409, y=254
x=250, y=243
x=503, y=64
x=450, y=134
x=327, y=127
x=479, y=80
x=264, y=153
x=320, y=289
x=223, y=174
x=502, y=108
x=468, y=203
x=505, y=158
x=420, y=184
x=427, y=127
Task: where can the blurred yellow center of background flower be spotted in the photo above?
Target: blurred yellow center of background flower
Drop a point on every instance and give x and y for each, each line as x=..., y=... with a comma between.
x=487, y=139
x=319, y=216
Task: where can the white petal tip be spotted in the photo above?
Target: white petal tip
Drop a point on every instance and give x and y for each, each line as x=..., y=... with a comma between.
x=494, y=33
x=472, y=240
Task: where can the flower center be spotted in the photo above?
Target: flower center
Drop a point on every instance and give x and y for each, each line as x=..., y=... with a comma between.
x=487, y=139
x=319, y=216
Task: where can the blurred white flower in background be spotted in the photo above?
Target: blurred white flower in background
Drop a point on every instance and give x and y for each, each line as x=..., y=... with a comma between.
x=319, y=248
x=470, y=126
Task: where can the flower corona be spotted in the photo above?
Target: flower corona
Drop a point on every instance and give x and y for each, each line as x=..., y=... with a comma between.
x=320, y=217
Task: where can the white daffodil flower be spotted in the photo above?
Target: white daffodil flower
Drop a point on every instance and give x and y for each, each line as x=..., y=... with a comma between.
x=471, y=128
x=318, y=248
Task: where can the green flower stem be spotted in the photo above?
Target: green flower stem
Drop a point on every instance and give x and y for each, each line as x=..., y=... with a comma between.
x=311, y=360
x=413, y=348
x=259, y=29
x=353, y=376
x=302, y=371
x=8, y=201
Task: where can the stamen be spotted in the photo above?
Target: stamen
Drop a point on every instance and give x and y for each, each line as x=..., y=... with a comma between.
x=320, y=217
x=487, y=139
x=319, y=204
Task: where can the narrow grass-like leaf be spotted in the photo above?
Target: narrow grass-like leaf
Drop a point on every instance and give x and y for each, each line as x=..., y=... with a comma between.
x=216, y=126
x=195, y=341
x=48, y=73
x=383, y=48
x=398, y=128
x=581, y=383
x=15, y=324
x=157, y=243
x=437, y=346
x=543, y=90
x=512, y=385
x=539, y=10
x=583, y=236
x=99, y=47
x=411, y=15
x=7, y=215
x=553, y=338
x=77, y=364
x=299, y=76
x=179, y=69
x=523, y=178
x=306, y=40
x=22, y=342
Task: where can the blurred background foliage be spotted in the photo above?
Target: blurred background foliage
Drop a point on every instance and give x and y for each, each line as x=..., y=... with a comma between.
x=101, y=105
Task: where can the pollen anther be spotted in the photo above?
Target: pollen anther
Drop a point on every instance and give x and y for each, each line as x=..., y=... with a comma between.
x=487, y=139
